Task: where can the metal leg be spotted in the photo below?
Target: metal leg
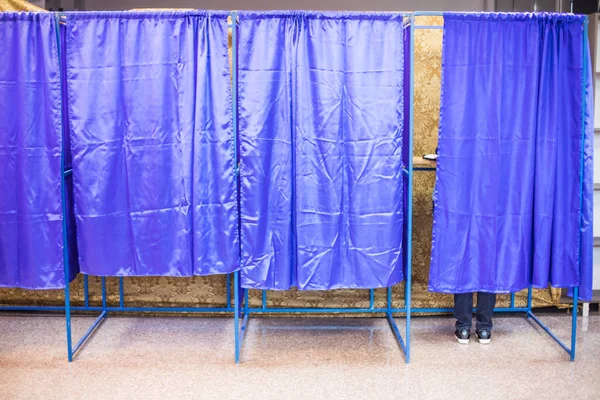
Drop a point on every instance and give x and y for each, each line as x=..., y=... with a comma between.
x=63, y=196
x=228, y=290
x=574, y=324
x=103, y=279
x=236, y=315
x=234, y=94
x=89, y=331
x=409, y=206
x=572, y=349
x=529, y=300
x=396, y=332
x=68, y=321
x=121, y=293
x=86, y=291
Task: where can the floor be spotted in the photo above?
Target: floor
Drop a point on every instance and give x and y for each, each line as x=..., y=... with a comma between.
x=293, y=358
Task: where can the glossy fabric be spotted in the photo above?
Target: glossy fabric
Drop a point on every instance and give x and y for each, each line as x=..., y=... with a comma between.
x=406, y=151
x=68, y=159
x=31, y=234
x=152, y=143
x=586, y=247
x=321, y=119
x=507, y=197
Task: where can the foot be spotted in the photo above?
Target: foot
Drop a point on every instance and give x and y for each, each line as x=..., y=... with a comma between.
x=463, y=335
x=484, y=336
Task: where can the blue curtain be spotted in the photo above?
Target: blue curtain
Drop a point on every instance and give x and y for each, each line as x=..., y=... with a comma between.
x=507, y=196
x=152, y=143
x=586, y=246
x=31, y=234
x=321, y=117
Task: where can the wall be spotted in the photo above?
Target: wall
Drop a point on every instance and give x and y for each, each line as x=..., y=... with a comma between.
x=354, y=5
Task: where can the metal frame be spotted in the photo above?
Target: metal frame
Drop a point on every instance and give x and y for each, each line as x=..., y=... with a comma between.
x=512, y=309
x=104, y=309
x=241, y=302
x=241, y=307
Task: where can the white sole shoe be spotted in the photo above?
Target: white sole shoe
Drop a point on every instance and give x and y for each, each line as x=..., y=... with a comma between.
x=463, y=341
x=485, y=340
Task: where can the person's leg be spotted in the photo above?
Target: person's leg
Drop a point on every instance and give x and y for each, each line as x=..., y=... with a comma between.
x=463, y=310
x=485, y=309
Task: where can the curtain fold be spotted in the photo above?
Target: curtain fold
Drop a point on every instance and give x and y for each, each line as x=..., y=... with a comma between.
x=152, y=143
x=507, y=196
x=321, y=118
x=31, y=234
x=586, y=245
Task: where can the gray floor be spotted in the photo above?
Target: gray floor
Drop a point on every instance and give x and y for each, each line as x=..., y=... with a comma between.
x=303, y=358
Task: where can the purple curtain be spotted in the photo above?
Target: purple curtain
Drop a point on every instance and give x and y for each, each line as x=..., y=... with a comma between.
x=31, y=218
x=321, y=117
x=509, y=172
x=152, y=141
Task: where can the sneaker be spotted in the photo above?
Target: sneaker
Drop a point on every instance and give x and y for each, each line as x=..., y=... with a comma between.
x=484, y=336
x=462, y=335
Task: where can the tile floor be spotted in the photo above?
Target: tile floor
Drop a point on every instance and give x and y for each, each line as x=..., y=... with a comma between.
x=293, y=358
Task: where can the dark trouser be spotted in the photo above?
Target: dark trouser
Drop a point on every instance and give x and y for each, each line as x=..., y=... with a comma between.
x=463, y=310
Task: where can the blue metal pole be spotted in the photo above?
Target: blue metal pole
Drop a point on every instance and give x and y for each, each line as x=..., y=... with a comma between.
x=234, y=79
x=86, y=291
x=121, y=293
x=396, y=332
x=449, y=310
x=103, y=279
x=89, y=331
x=236, y=315
x=409, y=206
x=63, y=195
x=167, y=309
x=512, y=300
x=371, y=299
x=228, y=290
x=326, y=310
x=574, y=321
x=549, y=332
x=529, y=300
x=264, y=299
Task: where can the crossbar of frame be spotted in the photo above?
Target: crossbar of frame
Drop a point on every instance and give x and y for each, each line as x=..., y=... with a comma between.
x=243, y=311
x=122, y=308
